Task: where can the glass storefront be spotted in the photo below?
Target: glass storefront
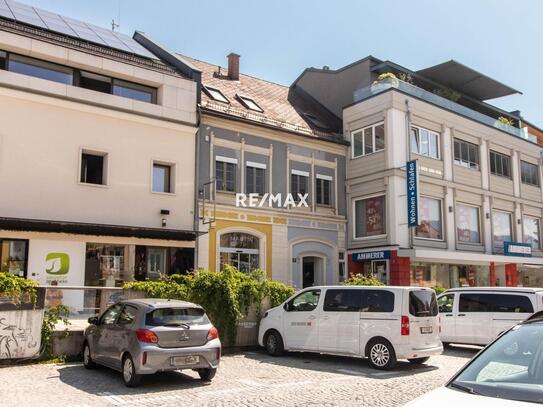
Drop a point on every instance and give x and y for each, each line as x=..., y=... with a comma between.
x=240, y=250
x=106, y=265
x=530, y=276
x=449, y=275
x=13, y=256
x=152, y=262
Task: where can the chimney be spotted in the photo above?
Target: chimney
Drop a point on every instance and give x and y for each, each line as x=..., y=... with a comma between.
x=233, y=66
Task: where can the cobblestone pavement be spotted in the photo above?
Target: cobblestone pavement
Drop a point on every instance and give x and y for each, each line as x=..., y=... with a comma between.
x=248, y=379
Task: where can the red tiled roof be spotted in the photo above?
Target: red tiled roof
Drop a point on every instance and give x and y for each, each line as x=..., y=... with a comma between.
x=283, y=107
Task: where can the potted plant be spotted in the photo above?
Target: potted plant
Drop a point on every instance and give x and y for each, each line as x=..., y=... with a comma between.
x=385, y=81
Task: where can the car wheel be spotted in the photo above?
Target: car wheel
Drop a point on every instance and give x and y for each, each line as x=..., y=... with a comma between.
x=88, y=363
x=418, y=361
x=274, y=344
x=381, y=355
x=130, y=377
x=207, y=374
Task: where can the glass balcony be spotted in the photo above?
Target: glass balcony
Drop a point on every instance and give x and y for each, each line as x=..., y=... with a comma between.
x=414, y=91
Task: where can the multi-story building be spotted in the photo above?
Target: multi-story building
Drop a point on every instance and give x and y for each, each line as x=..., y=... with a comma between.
x=97, y=153
x=258, y=137
x=480, y=199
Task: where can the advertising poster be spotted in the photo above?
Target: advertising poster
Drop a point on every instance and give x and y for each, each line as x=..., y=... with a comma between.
x=58, y=263
x=374, y=216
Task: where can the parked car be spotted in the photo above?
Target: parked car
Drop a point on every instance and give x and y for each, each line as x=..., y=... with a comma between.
x=508, y=372
x=140, y=337
x=478, y=315
x=381, y=323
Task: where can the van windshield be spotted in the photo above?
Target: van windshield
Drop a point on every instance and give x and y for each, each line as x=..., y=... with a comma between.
x=423, y=303
x=172, y=316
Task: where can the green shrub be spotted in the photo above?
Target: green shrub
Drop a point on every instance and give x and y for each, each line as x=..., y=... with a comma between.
x=438, y=289
x=17, y=288
x=362, y=279
x=51, y=318
x=226, y=296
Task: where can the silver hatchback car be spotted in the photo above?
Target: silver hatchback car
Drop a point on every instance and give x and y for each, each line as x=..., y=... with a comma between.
x=145, y=336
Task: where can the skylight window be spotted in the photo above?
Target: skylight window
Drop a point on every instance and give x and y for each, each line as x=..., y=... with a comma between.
x=216, y=94
x=249, y=103
x=316, y=122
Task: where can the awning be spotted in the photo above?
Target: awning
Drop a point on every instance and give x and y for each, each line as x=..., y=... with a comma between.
x=466, y=80
x=458, y=257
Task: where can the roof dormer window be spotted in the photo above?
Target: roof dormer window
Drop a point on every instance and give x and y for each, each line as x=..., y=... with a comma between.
x=216, y=94
x=249, y=103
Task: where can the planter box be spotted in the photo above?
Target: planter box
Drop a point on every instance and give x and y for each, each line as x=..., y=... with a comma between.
x=20, y=327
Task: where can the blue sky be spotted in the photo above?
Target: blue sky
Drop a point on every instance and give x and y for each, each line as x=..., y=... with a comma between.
x=278, y=39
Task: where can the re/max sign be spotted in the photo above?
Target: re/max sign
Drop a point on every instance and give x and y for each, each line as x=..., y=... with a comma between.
x=412, y=194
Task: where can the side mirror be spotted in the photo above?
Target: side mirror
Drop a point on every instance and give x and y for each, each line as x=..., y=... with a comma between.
x=93, y=320
x=286, y=307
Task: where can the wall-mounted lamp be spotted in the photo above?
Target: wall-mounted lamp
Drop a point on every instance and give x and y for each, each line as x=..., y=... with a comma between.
x=450, y=208
x=487, y=215
x=164, y=211
x=163, y=222
x=519, y=221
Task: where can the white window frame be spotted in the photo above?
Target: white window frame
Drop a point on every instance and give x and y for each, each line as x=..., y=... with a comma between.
x=252, y=164
x=105, y=170
x=479, y=223
x=538, y=229
x=325, y=178
x=442, y=220
x=173, y=175
x=361, y=131
x=438, y=139
x=466, y=164
x=511, y=226
x=362, y=198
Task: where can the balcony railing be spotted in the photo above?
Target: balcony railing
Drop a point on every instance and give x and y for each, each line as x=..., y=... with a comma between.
x=411, y=90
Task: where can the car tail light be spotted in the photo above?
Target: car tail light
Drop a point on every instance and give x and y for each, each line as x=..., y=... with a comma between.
x=213, y=333
x=146, y=335
x=144, y=358
x=405, y=325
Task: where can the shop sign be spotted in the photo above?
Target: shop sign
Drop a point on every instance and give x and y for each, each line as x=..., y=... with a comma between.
x=375, y=255
x=517, y=249
x=412, y=194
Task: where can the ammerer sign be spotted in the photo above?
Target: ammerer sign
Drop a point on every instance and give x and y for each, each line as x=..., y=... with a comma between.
x=375, y=255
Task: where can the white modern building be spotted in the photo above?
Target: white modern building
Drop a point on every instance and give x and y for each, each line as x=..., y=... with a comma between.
x=480, y=200
x=97, y=153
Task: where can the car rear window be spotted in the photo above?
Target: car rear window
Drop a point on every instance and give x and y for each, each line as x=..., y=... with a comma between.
x=423, y=303
x=171, y=316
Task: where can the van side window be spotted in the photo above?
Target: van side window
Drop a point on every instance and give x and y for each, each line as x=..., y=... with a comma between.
x=495, y=303
x=445, y=303
x=377, y=301
x=343, y=300
x=306, y=301
x=475, y=303
x=512, y=303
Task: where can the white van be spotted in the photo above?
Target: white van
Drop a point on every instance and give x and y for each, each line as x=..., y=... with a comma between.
x=477, y=315
x=381, y=323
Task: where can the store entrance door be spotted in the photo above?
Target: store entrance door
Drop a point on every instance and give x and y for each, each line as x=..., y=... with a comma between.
x=379, y=269
x=312, y=273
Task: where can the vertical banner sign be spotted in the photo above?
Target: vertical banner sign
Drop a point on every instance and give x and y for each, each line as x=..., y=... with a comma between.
x=412, y=194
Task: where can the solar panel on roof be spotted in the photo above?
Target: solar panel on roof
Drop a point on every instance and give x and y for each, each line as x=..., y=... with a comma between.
x=68, y=26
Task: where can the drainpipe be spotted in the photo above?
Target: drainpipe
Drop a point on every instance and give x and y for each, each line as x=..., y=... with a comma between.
x=196, y=219
x=408, y=156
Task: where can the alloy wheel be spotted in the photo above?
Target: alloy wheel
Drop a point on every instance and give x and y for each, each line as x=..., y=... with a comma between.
x=272, y=343
x=128, y=369
x=379, y=354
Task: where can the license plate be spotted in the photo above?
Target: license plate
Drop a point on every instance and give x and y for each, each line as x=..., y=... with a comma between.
x=185, y=360
x=426, y=330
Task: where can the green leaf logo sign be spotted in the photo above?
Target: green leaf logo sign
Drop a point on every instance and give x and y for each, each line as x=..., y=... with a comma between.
x=57, y=263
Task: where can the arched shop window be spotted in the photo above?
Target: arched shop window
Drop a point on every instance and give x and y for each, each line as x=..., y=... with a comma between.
x=240, y=250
